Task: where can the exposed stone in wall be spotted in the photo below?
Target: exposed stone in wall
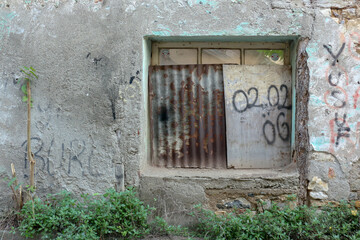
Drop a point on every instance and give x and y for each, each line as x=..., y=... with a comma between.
x=288, y=4
x=327, y=179
x=318, y=195
x=354, y=177
x=236, y=199
x=239, y=203
x=333, y=3
x=316, y=184
x=349, y=17
x=220, y=191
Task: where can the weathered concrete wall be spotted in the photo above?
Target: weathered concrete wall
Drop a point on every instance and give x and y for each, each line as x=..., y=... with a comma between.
x=89, y=117
x=334, y=125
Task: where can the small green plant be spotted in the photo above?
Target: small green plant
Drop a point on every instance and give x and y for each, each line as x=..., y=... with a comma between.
x=291, y=197
x=13, y=183
x=62, y=216
x=159, y=227
x=26, y=89
x=121, y=215
x=279, y=54
x=330, y=222
x=16, y=188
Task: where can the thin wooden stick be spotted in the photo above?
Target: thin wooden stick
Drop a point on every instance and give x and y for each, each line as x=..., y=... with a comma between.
x=14, y=173
x=29, y=153
x=16, y=198
x=17, y=194
x=21, y=198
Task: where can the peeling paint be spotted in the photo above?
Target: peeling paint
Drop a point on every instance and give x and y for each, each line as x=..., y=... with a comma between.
x=312, y=51
x=5, y=27
x=213, y=4
x=321, y=143
x=242, y=27
x=316, y=100
x=163, y=30
x=161, y=33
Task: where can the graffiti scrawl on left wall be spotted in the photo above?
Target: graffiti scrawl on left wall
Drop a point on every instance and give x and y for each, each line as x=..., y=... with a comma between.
x=74, y=154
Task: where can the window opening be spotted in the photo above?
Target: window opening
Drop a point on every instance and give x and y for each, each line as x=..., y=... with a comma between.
x=188, y=103
x=221, y=56
x=264, y=57
x=178, y=56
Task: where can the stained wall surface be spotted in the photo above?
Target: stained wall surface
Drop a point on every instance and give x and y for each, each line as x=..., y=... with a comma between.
x=90, y=122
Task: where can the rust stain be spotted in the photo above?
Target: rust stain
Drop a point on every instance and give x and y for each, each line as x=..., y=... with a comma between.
x=331, y=173
x=187, y=116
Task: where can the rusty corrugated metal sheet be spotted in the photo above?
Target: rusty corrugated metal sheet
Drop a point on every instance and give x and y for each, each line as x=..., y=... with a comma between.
x=187, y=116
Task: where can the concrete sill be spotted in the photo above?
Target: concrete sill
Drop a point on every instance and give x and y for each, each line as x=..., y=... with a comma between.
x=181, y=173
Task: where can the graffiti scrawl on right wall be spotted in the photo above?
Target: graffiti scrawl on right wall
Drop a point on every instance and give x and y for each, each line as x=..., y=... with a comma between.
x=341, y=98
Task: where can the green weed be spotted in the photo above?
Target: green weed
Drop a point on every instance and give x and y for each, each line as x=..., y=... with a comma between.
x=61, y=216
x=329, y=222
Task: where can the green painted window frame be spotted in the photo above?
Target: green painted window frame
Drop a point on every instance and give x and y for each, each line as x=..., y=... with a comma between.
x=242, y=46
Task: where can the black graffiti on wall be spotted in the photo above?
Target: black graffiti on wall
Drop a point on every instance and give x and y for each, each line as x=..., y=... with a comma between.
x=342, y=130
x=335, y=57
x=77, y=148
x=132, y=78
x=334, y=78
x=76, y=157
x=282, y=129
x=37, y=144
x=339, y=95
x=274, y=102
x=337, y=98
x=335, y=74
x=252, y=102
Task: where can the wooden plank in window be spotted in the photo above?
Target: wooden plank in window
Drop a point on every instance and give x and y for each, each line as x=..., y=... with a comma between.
x=258, y=115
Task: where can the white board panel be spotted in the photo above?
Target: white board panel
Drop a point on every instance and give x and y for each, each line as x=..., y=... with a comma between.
x=258, y=115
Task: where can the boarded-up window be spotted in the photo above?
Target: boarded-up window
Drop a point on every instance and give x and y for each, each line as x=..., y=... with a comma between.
x=258, y=116
x=189, y=111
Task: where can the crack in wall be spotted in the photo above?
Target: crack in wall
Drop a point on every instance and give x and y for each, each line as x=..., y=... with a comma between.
x=314, y=19
x=335, y=159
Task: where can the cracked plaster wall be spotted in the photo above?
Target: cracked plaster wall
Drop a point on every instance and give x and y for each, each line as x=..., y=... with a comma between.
x=89, y=120
x=334, y=125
